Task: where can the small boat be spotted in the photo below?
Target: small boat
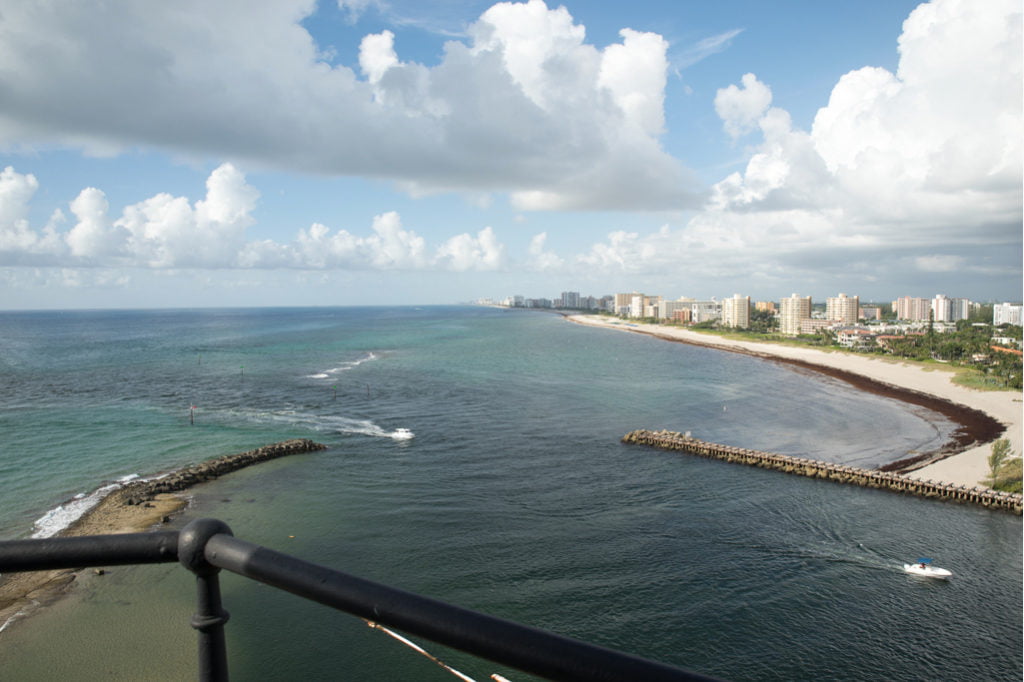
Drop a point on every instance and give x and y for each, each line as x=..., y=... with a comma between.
x=923, y=567
x=402, y=434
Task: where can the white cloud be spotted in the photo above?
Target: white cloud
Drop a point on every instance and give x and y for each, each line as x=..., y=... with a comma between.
x=377, y=55
x=354, y=9
x=167, y=232
x=541, y=259
x=930, y=155
x=524, y=87
x=741, y=108
x=705, y=48
x=389, y=247
x=464, y=252
x=93, y=236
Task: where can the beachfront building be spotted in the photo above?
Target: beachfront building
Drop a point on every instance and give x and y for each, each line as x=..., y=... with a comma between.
x=669, y=310
x=814, y=325
x=623, y=303
x=736, y=312
x=705, y=311
x=950, y=309
x=1006, y=313
x=913, y=309
x=870, y=313
x=766, y=306
x=856, y=338
x=651, y=306
x=570, y=299
x=843, y=308
x=792, y=310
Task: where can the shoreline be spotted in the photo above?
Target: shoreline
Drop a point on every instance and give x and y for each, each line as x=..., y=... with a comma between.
x=981, y=416
x=136, y=507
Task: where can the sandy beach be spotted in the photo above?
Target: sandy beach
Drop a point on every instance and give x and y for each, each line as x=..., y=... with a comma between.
x=134, y=508
x=23, y=593
x=966, y=463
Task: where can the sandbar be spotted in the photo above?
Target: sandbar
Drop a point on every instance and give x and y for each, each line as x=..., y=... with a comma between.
x=963, y=462
x=136, y=507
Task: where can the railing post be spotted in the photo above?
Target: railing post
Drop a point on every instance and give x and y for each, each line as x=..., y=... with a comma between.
x=210, y=616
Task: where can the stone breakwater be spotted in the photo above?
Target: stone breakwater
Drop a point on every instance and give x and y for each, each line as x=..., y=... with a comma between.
x=868, y=478
x=140, y=492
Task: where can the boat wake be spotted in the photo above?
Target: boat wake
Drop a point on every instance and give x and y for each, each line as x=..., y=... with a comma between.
x=318, y=422
x=343, y=367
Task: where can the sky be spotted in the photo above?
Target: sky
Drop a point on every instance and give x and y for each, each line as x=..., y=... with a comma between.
x=387, y=152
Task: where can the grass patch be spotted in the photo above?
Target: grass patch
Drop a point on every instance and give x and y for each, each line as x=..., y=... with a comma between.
x=1009, y=479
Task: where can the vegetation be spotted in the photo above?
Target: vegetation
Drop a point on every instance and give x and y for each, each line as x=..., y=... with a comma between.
x=1004, y=468
x=967, y=349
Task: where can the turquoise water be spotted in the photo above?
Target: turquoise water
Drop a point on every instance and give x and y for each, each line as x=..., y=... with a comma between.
x=515, y=497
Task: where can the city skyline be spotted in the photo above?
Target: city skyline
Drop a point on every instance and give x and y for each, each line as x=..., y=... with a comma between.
x=353, y=152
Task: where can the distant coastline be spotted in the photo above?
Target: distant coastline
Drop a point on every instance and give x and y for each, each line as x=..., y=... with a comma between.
x=982, y=416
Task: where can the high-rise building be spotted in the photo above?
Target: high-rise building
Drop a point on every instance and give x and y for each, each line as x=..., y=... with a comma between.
x=941, y=309
x=636, y=305
x=913, y=309
x=622, y=303
x=1006, y=313
x=768, y=306
x=667, y=309
x=843, y=308
x=791, y=311
x=950, y=309
x=736, y=312
x=571, y=299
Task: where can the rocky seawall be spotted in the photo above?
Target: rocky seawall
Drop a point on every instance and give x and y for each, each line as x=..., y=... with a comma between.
x=868, y=478
x=140, y=492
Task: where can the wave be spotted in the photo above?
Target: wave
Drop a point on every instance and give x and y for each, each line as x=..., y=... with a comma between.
x=63, y=515
x=343, y=367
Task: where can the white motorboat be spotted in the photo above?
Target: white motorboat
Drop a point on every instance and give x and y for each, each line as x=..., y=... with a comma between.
x=923, y=567
x=402, y=434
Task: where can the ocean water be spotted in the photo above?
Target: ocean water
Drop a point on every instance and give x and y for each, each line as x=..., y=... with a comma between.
x=515, y=497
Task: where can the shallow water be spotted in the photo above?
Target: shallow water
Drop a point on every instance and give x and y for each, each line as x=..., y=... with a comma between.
x=515, y=497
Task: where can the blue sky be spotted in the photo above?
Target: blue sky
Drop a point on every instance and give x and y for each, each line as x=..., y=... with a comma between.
x=353, y=152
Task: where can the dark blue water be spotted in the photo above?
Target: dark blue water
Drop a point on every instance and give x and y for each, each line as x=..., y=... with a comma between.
x=515, y=497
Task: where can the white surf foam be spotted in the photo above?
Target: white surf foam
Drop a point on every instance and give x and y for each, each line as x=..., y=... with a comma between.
x=63, y=515
x=343, y=367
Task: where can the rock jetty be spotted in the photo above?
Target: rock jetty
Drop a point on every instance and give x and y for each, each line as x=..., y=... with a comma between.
x=869, y=478
x=141, y=492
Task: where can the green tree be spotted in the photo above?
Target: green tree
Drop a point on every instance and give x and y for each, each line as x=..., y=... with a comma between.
x=1000, y=453
x=763, y=321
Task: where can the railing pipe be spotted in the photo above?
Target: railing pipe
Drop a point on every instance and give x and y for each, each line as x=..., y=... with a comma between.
x=42, y=554
x=210, y=616
x=522, y=647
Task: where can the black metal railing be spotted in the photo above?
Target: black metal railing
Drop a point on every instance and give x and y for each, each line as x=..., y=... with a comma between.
x=205, y=546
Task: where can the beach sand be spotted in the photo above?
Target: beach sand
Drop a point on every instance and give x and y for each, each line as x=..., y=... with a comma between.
x=964, y=462
x=23, y=593
x=136, y=507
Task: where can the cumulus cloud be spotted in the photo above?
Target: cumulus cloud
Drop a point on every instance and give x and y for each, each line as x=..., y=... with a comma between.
x=913, y=173
x=167, y=232
x=927, y=156
x=740, y=108
x=916, y=171
x=18, y=241
x=540, y=258
x=464, y=252
x=246, y=81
